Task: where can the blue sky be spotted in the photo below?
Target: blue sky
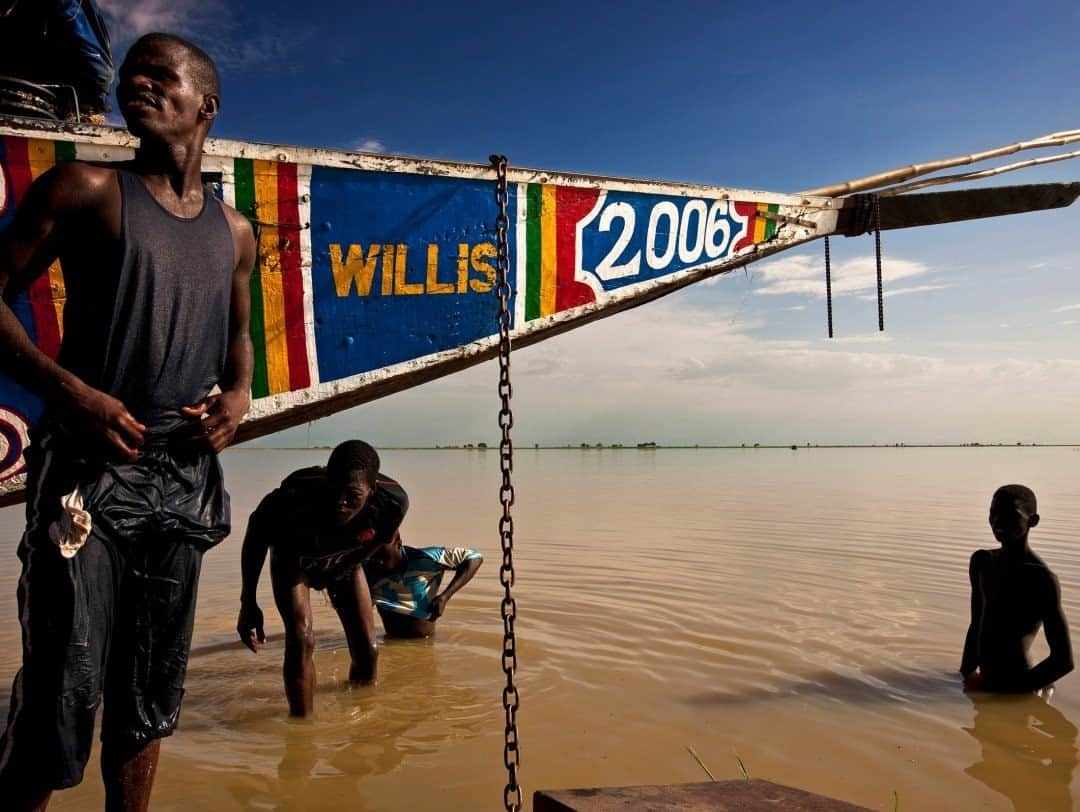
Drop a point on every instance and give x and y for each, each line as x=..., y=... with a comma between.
x=982, y=318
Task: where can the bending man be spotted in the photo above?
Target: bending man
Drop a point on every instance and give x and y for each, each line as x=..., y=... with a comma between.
x=320, y=526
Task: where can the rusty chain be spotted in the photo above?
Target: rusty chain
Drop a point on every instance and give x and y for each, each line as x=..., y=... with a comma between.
x=828, y=284
x=877, y=254
x=511, y=698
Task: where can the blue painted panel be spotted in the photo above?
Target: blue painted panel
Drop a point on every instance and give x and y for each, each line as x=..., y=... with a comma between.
x=401, y=267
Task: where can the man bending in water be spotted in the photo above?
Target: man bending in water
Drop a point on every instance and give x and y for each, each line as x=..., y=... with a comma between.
x=320, y=526
x=1012, y=593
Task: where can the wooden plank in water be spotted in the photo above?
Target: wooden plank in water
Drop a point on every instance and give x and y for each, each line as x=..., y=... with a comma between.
x=717, y=796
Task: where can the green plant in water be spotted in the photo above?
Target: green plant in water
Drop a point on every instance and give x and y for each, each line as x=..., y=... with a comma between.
x=701, y=763
x=745, y=772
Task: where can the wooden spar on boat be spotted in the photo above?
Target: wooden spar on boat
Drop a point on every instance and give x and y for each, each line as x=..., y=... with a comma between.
x=375, y=272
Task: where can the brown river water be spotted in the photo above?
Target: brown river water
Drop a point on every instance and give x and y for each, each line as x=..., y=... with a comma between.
x=799, y=612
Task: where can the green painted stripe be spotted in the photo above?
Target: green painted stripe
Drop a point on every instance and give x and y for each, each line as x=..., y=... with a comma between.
x=770, y=225
x=65, y=151
x=533, y=250
x=244, y=171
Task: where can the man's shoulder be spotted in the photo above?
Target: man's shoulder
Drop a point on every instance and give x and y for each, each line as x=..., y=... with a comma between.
x=78, y=184
x=305, y=479
x=239, y=224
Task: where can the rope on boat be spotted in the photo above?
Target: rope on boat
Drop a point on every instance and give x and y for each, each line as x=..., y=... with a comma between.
x=904, y=173
x=892, y=191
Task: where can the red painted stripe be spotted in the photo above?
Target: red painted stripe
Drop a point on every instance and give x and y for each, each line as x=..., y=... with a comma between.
x=17, y=163
x=47, y=331
x=18, y=166
x=749, y=211
x=292, y=281
x=571, y=205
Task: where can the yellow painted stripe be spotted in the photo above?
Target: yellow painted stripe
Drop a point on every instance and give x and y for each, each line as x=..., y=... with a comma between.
x=42, y=157
x=273, y=295
x=760, y=223
x=548, y=263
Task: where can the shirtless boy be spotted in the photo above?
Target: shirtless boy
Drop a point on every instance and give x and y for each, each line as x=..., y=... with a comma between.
x=1013, y=593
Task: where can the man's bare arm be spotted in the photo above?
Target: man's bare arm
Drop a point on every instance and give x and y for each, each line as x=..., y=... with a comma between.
x=257, y=542
x=1060, y=660
x=462, y=575
x=969, y=662
x=27, y=248
x=224, y=411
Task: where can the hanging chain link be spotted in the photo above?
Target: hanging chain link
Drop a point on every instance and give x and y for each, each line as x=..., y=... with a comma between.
x=828, y=284
x=877, y=252
x=511, y=699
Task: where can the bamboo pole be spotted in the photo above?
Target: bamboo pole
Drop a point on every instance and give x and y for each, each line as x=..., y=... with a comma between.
x=904, y=173
x=892, y=191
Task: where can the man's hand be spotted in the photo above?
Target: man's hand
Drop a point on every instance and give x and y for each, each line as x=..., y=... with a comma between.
x=438, y=606
x=221, y=414
x=973, y=681
x=108, y=418
x=249, y=625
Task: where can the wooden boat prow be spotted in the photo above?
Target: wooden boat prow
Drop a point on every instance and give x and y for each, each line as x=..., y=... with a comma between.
x=375, y=272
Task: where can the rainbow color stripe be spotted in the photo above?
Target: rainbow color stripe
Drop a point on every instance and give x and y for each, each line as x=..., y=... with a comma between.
x=551, y=217
x=758, y=229
x=27, y=159
x=266, y=191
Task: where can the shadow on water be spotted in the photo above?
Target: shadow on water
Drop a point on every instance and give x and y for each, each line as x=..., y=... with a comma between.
x=1028, y=751
x=862, y=687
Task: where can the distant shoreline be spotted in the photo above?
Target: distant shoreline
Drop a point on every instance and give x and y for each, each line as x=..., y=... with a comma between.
x=658, y=447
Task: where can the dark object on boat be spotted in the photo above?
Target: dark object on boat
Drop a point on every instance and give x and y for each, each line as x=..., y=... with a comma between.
x=716, y=796
x=55, y=60
x=21, y=98
x=933, y=208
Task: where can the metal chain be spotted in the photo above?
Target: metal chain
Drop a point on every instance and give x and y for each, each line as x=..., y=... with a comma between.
x=877, y=251
x=511, y=698
x=828, y=284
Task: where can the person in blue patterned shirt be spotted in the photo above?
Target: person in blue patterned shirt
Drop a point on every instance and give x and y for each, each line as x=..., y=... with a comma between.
x=405, y=582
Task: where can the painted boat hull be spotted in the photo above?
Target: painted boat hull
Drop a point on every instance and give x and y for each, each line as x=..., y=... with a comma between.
x=375, y=272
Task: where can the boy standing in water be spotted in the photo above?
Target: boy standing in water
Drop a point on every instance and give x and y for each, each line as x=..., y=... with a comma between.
x=1012, y=593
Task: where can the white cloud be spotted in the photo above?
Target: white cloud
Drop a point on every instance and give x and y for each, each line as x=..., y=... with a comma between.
x=864, y=338
x=129, y=19
x=214, y=26
x=368, y=145
x=806, y=275
x=891, y=292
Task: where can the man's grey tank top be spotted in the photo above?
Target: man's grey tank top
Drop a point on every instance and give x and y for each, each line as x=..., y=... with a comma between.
x=155, y=334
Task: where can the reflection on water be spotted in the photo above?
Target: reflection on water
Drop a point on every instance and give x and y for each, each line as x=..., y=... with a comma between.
x=869, y=687
x=803, y=610
x=1028, y=751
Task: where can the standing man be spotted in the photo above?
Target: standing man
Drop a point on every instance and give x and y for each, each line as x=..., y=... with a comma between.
x=124, y=490
x=320, y=526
